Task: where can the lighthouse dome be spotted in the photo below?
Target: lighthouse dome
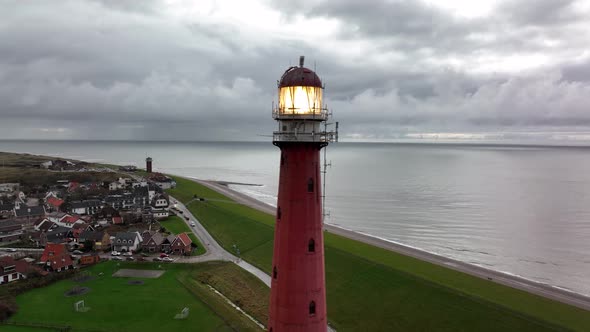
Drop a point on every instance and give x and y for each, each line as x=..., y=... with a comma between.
x=300, y=76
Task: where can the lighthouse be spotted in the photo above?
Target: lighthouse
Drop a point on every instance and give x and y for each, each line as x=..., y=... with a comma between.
x=148, y=164
x=298, y=287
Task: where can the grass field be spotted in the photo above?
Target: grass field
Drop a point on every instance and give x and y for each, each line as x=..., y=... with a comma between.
x=373, y=289
x=23, y=168
x=176, y=225
x=117, y=306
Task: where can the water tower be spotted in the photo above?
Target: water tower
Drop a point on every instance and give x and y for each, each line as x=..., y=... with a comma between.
x=298, y=287
x=148, y=164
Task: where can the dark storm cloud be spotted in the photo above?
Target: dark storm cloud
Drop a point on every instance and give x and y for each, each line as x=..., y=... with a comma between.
x=130, y=70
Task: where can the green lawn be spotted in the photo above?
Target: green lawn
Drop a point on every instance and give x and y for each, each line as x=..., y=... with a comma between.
x=176, y=225
x=373, y=289
x=117, y=306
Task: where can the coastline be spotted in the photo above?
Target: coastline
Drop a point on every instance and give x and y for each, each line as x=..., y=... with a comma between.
x=514, y=281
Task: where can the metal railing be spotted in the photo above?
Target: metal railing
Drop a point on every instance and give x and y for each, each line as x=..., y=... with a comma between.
x=291, y=136
x=318, y=114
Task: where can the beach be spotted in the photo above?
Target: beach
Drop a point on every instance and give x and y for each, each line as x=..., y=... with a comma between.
x=513, y=281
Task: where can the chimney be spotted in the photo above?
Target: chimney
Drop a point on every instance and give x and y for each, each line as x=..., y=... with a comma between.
x=301, y=60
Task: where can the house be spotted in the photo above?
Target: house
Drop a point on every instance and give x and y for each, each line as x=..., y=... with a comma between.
x=152, y=242
x=127, y=241
x=58, y=234
x=160, y=213
x=100, y=240
x=53, y=203
x=90, y=206
x=181, y=245
x=69, y=221
x=162, y=181
x=119, y=202
x=167, y=243
x=56, y=258
x=22, y=211
x=44, y=225
x=115, y=185
x=160, y=201
x=56, y=216
x=147, y=216
x=77, y=229
x=11, y=269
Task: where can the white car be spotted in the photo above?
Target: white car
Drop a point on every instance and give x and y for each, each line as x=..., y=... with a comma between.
x=116, y=258
x=193, y=224
x=11, y=250
x=115, y=253
x=128, y=253
x=167, y=259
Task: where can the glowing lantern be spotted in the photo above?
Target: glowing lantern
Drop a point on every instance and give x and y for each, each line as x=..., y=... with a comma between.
x=300, y=92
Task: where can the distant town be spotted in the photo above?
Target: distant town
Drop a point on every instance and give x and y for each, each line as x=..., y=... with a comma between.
x=54, y=227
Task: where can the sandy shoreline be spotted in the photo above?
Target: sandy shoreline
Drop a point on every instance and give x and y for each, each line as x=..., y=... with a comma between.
x=527, y=285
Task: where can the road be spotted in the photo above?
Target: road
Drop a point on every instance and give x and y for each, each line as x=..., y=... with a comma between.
x=214, y=249
x=533, y=287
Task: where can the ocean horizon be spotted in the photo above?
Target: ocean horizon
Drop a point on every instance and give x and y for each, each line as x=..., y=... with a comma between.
x=517, y=208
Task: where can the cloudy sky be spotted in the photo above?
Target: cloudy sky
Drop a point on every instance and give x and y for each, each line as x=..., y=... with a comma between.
x=207, y=70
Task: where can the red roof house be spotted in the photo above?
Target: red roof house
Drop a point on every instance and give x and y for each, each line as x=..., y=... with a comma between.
x=54, y=202
x=181, y=244
x=56, y=258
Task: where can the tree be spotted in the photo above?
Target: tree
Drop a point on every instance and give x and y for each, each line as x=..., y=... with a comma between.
x=88, y=245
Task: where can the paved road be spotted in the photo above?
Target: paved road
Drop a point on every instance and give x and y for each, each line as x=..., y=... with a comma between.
x=214, y=249
x=544, y=290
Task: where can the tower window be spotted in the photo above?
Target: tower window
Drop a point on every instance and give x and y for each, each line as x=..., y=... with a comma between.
x=312, y=308
x=310, y=185
x=279, y=213
x=275, y=272
x=311, y=246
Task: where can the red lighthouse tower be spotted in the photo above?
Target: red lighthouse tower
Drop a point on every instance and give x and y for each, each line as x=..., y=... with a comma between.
x=298, y=293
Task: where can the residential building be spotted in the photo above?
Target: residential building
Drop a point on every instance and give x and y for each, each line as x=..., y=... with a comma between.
x=181, y=245
x=56, y=258
x=160, y=213
x=69, y=221
x=12, y=270
x=160, y=201
x=44, y=225
x=86, y=207
x=101, y=240
x=58, y=234
x=22, y=211
x=152, y=242
x=53, y=203
x=167, y=243
x=77, y=229
x=127, y=241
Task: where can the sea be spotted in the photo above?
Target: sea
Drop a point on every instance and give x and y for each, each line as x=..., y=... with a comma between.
x=522, y=210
